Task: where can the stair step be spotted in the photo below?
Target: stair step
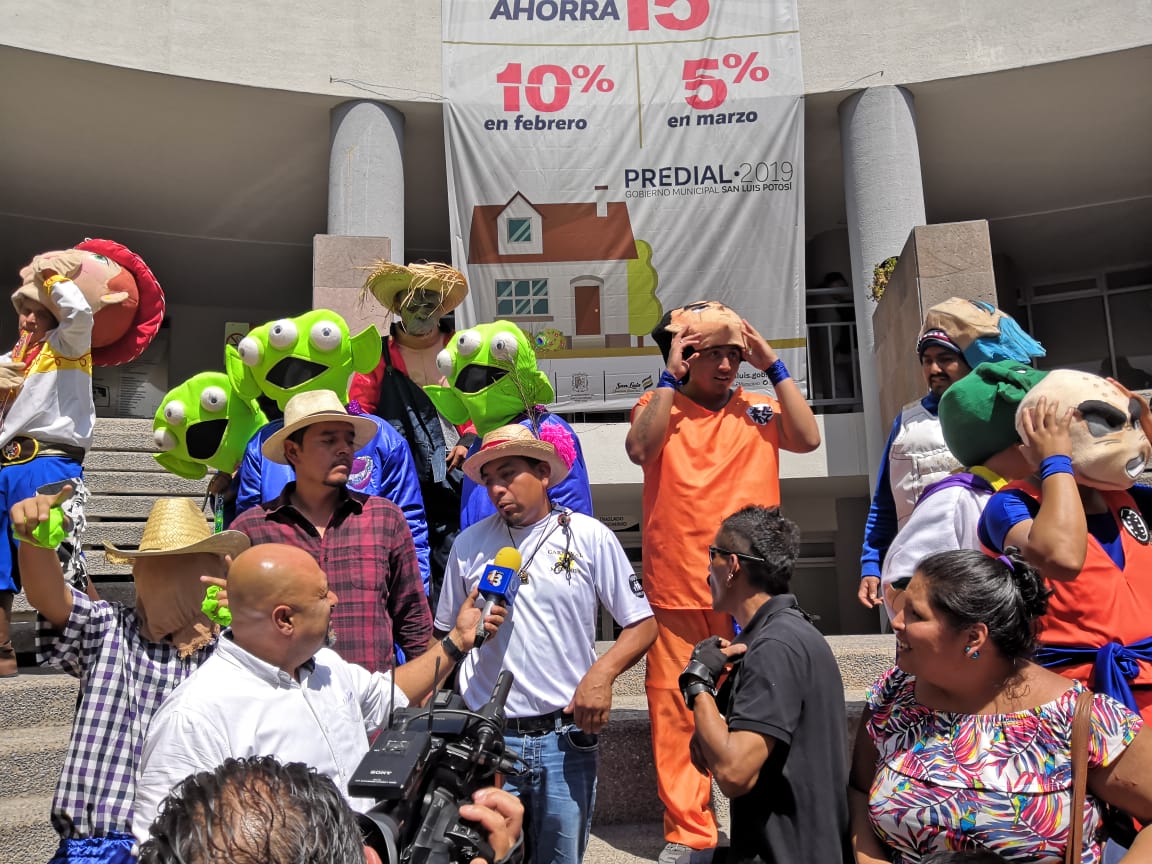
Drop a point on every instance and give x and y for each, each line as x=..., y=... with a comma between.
x=863, y=659
x=36, y=698
x=123, y=434
x=142, y=483
x=625, y=843
x=26, y=835
x=32, y=759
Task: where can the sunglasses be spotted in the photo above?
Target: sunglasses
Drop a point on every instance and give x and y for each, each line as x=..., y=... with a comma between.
x=716, y=550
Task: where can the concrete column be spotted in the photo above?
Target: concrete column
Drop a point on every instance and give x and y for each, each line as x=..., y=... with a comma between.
x=884, y=198
x=366, y=173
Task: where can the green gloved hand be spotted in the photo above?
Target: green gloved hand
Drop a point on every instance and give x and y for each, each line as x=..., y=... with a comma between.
x=50, y=534
x=211, y=607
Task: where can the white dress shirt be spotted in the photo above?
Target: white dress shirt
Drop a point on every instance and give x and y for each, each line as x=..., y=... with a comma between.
x=236, y=705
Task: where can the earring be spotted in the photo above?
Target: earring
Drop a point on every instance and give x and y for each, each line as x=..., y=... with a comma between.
x=967, y=648
x=975, y=655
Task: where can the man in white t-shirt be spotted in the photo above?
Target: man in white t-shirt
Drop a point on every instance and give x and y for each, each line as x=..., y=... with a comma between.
x=562, y=694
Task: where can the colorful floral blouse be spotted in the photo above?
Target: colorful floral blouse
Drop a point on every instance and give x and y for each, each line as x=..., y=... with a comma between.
x=1000, y=782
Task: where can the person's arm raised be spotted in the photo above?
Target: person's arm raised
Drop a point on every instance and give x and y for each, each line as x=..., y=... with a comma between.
x=799, y=432
x=40, y=571
x=1056, y=541
x=649, y=428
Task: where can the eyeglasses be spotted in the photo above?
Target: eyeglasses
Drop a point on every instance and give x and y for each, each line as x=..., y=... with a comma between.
x=716, y=550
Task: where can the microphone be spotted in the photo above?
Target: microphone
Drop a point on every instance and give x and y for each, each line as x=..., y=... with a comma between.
x=498, y=584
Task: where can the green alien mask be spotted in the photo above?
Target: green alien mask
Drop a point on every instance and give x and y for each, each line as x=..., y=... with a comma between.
x=493, y=376
x=202, y=422
x=313, y=351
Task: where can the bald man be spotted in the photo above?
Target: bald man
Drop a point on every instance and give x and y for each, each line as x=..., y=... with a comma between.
x=273, y=688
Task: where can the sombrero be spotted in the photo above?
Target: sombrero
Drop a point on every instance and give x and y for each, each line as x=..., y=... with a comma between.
x=176, y=526
x=316, y=406
x=514, y=440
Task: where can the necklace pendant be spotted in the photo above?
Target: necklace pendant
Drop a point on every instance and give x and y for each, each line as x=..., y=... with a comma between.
x=523, y=577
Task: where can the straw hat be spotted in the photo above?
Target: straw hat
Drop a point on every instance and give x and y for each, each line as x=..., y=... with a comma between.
x=176, y=526
x=315, y=406
x=514, y=440
x=394, y=284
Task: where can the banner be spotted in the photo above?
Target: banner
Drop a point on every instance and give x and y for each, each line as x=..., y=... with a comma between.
x=609, y=160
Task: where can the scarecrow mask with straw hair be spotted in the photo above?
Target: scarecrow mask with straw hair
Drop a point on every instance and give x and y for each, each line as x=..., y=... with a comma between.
x=491, y=370
x=176, y=549
x=419, y=295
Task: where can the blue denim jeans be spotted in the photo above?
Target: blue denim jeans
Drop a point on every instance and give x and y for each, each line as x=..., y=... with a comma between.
x=558, y=791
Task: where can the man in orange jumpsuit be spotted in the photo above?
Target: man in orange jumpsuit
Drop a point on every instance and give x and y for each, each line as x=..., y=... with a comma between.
x=708, y=448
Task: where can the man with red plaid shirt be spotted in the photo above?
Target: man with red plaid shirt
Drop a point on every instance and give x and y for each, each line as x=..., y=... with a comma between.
x=362, y=543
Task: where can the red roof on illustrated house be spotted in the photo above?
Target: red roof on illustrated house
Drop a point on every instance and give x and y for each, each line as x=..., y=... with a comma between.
x=572, y=232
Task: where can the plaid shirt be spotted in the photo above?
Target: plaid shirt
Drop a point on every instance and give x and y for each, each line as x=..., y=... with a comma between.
x=368, y=554
x=123, y=679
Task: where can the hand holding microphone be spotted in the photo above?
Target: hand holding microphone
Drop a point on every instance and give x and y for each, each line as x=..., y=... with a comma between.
x=498, y=586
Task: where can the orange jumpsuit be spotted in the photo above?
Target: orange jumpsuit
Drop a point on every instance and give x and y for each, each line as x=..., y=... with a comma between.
x=712, y=464
x=1104, y=603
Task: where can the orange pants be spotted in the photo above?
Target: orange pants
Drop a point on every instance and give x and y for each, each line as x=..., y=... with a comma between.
x=685, y=792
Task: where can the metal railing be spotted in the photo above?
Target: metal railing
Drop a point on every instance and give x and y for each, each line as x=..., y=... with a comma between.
x=833, y=366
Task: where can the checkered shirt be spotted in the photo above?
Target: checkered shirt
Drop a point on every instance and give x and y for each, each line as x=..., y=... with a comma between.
x=370, y=560
x=123, y=679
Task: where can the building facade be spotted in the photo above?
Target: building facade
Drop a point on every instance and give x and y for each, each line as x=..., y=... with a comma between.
x=218, y=139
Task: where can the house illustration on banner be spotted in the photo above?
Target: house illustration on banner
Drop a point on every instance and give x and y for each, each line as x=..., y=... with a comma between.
x=558, y=270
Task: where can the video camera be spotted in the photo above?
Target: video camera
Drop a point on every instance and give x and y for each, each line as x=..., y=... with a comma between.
x=420, y=770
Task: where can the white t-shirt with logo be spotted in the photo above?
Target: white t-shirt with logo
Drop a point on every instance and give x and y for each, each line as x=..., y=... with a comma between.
x=548, y=640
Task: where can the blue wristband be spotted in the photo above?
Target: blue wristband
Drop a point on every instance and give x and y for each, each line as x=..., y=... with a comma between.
x=667, y=379
x=1058, y=464
x=778, y=372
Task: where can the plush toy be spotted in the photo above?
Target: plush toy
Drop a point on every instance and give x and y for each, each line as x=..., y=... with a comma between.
x=1083, y=522
x=313, y=351
x=124, y=295
x=495, y=382
x=492, y=376
x=202, y=424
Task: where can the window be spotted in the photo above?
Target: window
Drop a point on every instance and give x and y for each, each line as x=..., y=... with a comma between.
x=517, y=298
x=519, y=230
x=1097, y=324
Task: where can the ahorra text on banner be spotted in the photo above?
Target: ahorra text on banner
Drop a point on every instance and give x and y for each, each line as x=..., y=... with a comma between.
x=609, y=160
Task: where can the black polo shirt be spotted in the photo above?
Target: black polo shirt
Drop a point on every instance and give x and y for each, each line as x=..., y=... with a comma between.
x=788, y=687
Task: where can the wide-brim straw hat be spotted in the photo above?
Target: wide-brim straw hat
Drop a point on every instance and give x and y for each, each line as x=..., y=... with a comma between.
x=311, y=407
x=394, y=284
x=514, y=440
x=176, y=526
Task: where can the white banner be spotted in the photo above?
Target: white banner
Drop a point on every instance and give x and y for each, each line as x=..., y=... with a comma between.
x=609, y=160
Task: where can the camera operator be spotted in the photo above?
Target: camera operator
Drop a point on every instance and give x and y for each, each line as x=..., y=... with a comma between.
x=257, y=811
x=272, y=687
x=568, y=563
x=779, y=751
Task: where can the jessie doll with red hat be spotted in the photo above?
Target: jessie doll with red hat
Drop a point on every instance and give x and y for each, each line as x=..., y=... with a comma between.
x=95, y=304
